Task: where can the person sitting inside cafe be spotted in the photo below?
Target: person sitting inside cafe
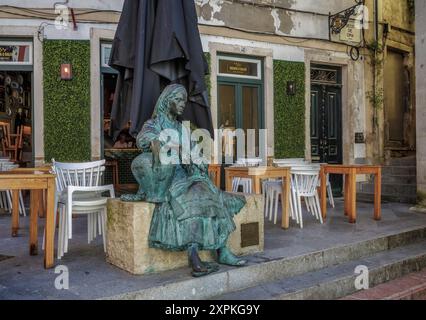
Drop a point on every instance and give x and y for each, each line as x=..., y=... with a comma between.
x=122, y=142
x=125, y=141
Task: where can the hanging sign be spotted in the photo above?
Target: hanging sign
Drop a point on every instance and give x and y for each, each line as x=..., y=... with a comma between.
x=347, y=26
x=15, y=53
x=350, y=33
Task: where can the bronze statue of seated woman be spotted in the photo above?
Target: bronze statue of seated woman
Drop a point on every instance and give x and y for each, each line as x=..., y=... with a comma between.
x=191, y=213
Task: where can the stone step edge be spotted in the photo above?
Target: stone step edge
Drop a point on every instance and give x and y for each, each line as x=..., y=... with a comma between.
x=395, y=289
x=346, y=283
x=364, y=196
x=237, y=279
x=363, y=193
x=325, y=289
x=385, y=195
x=391, y=184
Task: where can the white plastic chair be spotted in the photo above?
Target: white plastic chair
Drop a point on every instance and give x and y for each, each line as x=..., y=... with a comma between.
x=249, y=162
x=6, y=195
x=290, y=161
x=300, y=162
x=304, y=182
x=273, y=193
x=79, y=192
x=7, y=200
x=245, y=183
x=329, y=191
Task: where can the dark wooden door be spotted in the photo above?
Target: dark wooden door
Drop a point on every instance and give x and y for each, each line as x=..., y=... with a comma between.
x=326, y=128
x=326, y=124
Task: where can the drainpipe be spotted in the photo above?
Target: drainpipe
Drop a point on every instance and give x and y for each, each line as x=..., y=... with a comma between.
x=376, y=20
x=376, y=41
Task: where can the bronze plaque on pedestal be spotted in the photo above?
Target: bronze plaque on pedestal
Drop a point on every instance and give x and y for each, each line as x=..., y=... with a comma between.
x=249, y=234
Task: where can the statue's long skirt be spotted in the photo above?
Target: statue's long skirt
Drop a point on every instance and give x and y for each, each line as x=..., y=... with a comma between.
x=201, y=215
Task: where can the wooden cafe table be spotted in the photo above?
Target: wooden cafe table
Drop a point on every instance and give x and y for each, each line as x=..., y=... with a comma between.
x=350, y=172
x=37, y=180
x=257, y=174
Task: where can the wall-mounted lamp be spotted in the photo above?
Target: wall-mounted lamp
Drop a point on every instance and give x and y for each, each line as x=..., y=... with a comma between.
x=66, y=71
x=291, y=88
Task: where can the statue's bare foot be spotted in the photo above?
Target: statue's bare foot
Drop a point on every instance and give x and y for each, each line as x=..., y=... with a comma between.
x=200, y=268
x=226, y=257
x=132, y=197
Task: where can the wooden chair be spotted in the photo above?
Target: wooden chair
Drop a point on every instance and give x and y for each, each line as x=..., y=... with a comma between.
x=115, y=177
x=12, y=143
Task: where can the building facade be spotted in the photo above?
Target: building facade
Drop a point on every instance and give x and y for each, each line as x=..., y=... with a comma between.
x=346, y=97
x=421, y=98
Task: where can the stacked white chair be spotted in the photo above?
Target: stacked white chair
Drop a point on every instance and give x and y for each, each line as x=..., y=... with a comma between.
x=272, y=194
x=304, y=184
x=273, y=191
x=79, y=192
x=300, y=161
x=6, y=195
x=329, y=191
x=245, y=183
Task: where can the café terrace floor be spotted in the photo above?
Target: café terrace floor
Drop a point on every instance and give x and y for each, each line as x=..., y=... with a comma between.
x=91, y=277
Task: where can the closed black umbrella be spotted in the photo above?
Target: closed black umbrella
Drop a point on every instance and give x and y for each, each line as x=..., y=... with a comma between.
x=157, y=43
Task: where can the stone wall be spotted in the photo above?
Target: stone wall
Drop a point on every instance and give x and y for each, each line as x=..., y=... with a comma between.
x=421, y=99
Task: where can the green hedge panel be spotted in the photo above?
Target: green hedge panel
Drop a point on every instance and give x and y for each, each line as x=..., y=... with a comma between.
x=67, y=103
x=208, y=82
x=289, y=110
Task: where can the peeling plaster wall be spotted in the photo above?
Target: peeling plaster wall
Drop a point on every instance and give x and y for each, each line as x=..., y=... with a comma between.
x=280, y=52
x=398, y=14
x=86, y=4
x=271, y=17
x=243, y=15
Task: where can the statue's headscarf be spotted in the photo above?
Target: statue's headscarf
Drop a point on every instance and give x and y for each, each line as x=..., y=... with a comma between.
x=168, y=94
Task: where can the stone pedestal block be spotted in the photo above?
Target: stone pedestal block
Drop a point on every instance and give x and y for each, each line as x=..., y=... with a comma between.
x=128, y=229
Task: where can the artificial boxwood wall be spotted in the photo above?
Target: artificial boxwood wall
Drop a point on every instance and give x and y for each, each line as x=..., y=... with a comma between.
x=208, y=82
x=289, y=110
x=67, y=103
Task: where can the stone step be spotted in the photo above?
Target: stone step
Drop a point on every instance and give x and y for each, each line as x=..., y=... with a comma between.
x=399, y=170
x=338, y=281
x=389, y=189
x=260, y=271
x=410, y=287
x=412, y=180
x=405, y=161
x=369, y=198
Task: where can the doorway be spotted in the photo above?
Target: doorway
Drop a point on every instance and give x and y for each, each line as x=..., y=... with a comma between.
x=396, y=97
x=118, y=154
x=240, y=99
x=16, y=100
x=326, y=118
x=108, y=85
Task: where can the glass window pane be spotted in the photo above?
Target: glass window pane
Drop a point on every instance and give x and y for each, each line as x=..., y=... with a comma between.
x=227, y=110
x=227, y=118
x=250, y=108
x=250, y=113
